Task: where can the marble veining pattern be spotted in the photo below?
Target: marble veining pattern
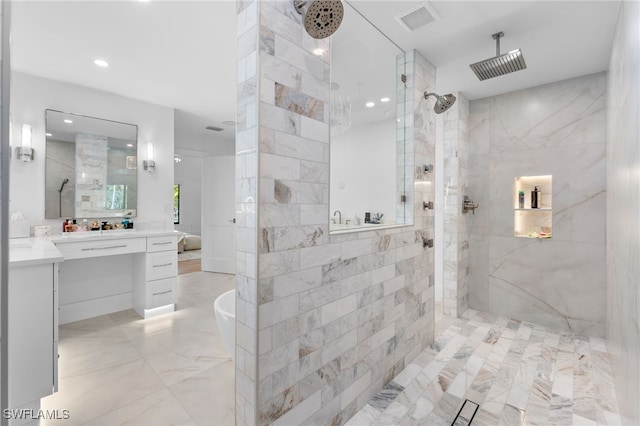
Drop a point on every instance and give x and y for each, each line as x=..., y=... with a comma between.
x=171, y=369
x=335, y=318
x=623, y=227
x=91, y=174
x=456, y=234
x=556, y=129
x=519, y=373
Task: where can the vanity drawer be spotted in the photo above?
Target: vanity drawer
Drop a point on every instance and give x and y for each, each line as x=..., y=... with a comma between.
x=84, y=249
x=165, y=243
x=161, y=292
x=163, y=264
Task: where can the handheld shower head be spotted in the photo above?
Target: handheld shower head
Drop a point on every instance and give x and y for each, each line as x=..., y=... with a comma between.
x=64, y=182
x=321, y=17
x=443, y=102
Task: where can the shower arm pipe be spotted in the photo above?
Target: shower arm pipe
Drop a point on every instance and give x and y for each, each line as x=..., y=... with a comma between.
x=496, y=37
x=426, y=95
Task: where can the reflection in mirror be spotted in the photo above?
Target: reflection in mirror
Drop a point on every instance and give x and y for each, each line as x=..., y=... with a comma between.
x=90, y=167
x=367, y=144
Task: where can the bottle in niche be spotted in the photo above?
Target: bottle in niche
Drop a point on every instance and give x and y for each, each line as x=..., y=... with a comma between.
x=367, y=217
x=521, y=199
x=535, y=198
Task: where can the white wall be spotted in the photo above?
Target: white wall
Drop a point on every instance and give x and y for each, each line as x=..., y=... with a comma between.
x=188, y=174
x=623, y=202
x=31, y=95
x=363, y=171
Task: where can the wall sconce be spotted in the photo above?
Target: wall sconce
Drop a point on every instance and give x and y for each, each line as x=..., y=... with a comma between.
x=25, y=151
x=149, y=165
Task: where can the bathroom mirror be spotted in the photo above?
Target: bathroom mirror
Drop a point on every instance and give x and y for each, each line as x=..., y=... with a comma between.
x=91, y=167
x=368, y=187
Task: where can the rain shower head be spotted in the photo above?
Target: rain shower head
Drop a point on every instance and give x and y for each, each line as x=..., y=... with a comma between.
x=443, y=102
x=499, y=64
x=321, y=17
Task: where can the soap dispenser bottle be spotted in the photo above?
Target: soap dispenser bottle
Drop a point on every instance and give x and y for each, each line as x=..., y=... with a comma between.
x=521, y=199
x=535, y=197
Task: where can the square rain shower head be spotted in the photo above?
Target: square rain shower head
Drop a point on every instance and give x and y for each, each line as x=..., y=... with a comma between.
x=499, y=65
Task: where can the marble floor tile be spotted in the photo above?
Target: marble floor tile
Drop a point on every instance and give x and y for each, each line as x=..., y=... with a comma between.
x=206, y=396
x=518, y=372
x=159, y=408
x=171, y=369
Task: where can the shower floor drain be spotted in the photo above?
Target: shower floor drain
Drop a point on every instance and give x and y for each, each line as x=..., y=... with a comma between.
x=466, y=414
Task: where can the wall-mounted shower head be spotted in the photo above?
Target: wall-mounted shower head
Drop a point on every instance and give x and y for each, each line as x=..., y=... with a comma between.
x=321, y=17
x=64, y=182
x=443, y=102
x=499, y=64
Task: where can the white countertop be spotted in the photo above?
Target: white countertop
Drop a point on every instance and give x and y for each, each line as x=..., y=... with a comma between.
x=35, y=251
x=32, y=251
x=70, y=237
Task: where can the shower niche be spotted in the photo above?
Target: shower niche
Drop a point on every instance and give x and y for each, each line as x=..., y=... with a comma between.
x=532, y=209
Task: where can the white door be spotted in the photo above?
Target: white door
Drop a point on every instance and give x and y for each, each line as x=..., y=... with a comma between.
x=218, y=210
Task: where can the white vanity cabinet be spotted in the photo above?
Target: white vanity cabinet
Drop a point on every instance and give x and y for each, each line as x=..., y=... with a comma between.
x=33, y=322
x=155, y=286
x=111, y=271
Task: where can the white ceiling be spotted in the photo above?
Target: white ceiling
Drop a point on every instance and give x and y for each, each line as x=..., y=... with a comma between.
x=181, y=54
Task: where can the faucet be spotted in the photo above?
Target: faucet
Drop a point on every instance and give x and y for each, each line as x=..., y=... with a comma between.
x=339, y=216
x=467, y=205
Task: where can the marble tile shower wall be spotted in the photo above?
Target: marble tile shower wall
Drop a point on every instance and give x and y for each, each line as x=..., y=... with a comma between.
x=323, y=321
x=456, y=234
x=556, y=129
x=91, y=173
x=623, y=203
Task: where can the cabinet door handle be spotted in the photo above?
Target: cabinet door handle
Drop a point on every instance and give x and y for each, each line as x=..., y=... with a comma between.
x=163, y=243
x=162, y=292
x=103, y=248
x=164, y=264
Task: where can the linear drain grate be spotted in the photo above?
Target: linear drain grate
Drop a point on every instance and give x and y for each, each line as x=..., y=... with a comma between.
x=466, y=414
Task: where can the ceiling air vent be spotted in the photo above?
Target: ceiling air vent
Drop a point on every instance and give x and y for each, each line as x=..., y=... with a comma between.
x=214, y=128
x=418, y=17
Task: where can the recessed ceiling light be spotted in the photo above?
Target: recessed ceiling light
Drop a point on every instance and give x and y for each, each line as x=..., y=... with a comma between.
x=66, y=120
x=101, y=63
x=370, y=104
x=229, y=123
x=49, y=134
x=130, y=145
x=318, y=52
x=384, y=99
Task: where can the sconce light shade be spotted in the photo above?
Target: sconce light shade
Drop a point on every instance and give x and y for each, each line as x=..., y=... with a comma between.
x=149, y=165
x=25, y=151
